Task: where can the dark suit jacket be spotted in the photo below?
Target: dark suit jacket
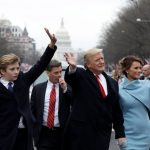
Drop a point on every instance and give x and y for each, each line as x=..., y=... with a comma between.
x=90, y=122
x=143, y=78
x=13, y=106
x=37, y=106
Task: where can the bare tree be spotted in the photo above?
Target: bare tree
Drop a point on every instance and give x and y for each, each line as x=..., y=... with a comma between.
x=29, y=57
x=126, y=36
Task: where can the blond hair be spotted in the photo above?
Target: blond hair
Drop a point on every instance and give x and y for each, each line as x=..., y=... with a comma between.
x=89, y=53
x=8, y=59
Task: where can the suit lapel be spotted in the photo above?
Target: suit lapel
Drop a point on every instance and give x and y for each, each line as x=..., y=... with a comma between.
x=93, y=80
x=60, y=97
x=94, y=83
x=110, y=86
x=42, y=92
x=4, y=90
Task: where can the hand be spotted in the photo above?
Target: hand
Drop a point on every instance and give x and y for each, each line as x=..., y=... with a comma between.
x=63, y=84
x=52, y=38
x=121, y=141
x=70, y=59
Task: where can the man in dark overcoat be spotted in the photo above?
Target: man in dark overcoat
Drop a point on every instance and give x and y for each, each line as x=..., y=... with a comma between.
x=16, y=120
x=95, y=106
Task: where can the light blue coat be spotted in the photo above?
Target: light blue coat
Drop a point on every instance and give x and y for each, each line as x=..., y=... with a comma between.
x=135, y=100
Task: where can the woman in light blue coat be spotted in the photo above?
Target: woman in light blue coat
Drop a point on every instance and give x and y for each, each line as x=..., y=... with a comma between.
x=135, y=103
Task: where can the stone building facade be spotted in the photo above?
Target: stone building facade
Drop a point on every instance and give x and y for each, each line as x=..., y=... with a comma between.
x=16, y=36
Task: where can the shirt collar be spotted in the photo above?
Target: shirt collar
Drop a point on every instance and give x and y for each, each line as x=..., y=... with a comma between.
x=5, y=82
x=101, y=76
x=51, y=84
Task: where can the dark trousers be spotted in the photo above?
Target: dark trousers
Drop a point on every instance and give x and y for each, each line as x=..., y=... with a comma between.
x=50, y=139
x=21, y=140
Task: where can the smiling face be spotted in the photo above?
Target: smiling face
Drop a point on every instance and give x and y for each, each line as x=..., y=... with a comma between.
x=96, y=63
x=134, y=71
x=11, y=72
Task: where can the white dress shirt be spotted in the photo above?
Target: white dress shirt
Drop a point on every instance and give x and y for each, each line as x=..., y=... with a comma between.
x=103, y=82
x=46, y=104
x=101, y=79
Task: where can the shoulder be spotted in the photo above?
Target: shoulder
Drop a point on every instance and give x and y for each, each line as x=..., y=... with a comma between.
x=21, y=74
x=40, y=85
x=80, y=70
x=110, y=79
x=146, y=83
x=113, y=83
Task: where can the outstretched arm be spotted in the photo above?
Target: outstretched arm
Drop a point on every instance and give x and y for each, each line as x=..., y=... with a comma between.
x=52, y=38
x=40, y=66
x=71, y=61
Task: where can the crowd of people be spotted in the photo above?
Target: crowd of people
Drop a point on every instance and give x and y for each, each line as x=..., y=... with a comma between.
x=79, y=111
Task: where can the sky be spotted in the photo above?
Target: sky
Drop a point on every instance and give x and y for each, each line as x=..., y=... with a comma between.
x=85, y=20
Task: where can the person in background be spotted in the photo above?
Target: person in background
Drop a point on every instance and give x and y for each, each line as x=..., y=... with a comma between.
x=146, y=72
x=135, y=104
x=16, y=119
x=49, y=136
x=116, y=75
x=95, y=105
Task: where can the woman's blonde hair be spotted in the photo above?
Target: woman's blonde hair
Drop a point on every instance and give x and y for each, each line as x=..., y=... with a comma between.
x=8, y=59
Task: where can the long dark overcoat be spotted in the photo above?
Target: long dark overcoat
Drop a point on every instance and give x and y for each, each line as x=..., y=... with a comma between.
x=16, y=104
x=90, y=122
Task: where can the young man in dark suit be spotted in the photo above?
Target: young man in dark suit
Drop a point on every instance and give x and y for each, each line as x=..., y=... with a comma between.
x=51, y=112
x=95, y=105
x=16, y=120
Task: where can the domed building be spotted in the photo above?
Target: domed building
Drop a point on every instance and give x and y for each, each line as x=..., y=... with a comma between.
x=5, y=22
x=16, y=36
x=63, y=42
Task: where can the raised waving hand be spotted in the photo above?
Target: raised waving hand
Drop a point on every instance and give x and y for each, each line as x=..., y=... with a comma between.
x=52, y=37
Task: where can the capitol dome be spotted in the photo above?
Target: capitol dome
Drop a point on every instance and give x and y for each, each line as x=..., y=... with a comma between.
x=5, y=22
x=63, y=38
x=63, y=42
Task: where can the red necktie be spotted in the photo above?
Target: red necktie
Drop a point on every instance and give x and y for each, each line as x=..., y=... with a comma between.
x=50, y=119
x=100, y=87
